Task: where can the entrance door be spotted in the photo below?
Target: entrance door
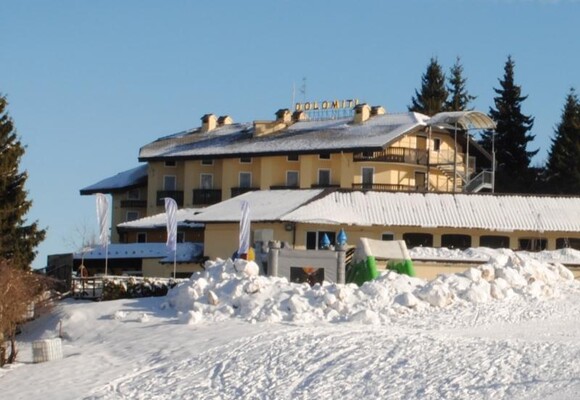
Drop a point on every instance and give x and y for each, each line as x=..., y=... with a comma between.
x=420, y=181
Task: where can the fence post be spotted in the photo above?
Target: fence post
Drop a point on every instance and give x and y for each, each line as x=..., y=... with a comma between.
x=273, y=253
x=340, y=263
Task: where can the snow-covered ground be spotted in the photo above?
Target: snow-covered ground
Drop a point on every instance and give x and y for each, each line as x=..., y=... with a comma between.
x=506, y=330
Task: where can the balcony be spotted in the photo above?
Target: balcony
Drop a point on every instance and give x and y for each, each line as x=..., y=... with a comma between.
x=207, y=196
x=388, y=187
x=281, y=187
x=176, y=195
x=236, y=191
x=133, y=203
x=323, y=186
x=394, y=154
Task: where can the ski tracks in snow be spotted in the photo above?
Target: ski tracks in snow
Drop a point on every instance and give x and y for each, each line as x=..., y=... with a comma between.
x=376, y=362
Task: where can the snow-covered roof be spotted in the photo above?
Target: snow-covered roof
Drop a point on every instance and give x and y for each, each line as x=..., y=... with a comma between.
x=121, y=181
x=304, y=136
x=183, y=216
x=430, y=210
x=186, y=252
x=265, y=205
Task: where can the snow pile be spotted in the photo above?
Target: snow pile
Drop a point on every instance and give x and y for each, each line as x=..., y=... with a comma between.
x=226, y=289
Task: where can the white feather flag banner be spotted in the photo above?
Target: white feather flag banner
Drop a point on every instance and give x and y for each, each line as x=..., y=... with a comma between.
x=170, y=212
x=103, y=219
x=244, y=229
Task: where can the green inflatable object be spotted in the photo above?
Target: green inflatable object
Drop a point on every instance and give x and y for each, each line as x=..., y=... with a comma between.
x=401, y=267
x=363, y=271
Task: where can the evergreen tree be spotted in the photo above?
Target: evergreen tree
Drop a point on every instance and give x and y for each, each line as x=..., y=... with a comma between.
x=563, y=166
x=513, y=172
x=433, y=95
x=459, y=98
x=18, y=241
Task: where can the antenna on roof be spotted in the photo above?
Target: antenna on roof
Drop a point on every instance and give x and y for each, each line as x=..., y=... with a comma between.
x=303, y=89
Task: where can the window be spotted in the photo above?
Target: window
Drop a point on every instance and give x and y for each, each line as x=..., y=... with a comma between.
x=133, y=194
x=494, y=242
x=367, y=177
x=456, y=241
x=324, y=156
x=180, y=237
x=141, y=237
x=292, y=178
x=324, y=177
x=169, y=182
x=532, y=244
x=305, y=274
x=132, y=216
x=292, y=157
x=245, y=160
x=436, y=144
x=245, y=179
x=207, y=162
x=565, y=243
x=206, y=181
x=314, y=240
x=418, y=240
x=388, y=236
x=170, y=163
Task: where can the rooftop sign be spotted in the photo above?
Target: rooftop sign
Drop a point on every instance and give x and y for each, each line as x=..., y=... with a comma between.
x=326, y=105
x=328, y=109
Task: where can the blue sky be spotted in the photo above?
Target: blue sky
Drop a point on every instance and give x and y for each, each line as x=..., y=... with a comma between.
x=89, y=82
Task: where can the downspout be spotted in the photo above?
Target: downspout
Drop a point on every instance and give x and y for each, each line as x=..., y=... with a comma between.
x=455, y=161
x=429, y=132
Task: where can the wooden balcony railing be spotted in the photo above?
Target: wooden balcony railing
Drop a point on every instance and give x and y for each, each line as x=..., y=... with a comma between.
x=207, y=196
x=394, y=154
x=176, y=195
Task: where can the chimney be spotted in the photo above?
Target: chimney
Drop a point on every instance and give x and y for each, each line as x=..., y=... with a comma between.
x=377, y=110
x=298, y=116
x=208, y=122
x=225, y=120
x=362, y=112
x=283, y=115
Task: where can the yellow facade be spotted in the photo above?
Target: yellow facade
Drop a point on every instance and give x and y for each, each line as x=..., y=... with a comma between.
x=221, y=239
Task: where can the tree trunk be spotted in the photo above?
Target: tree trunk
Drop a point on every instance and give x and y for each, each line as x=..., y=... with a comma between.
x=13, y=350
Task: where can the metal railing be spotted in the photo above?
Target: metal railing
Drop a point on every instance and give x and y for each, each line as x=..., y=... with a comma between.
x=236, y=191
x=176, y=195
x=483, y=180
x=207, y=196
x=133, y=203
x=388, y=187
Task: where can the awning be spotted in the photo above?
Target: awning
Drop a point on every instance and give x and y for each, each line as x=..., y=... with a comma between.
x=464, y=119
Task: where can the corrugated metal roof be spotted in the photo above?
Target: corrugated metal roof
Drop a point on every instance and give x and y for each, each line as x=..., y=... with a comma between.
x=265, y=205
x=184, y=216
x=493, y=212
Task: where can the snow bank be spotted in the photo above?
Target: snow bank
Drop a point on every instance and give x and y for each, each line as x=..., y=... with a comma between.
x=226, y=289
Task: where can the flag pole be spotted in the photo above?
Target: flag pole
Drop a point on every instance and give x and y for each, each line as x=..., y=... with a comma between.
x=174, y=262
x=106, y=258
